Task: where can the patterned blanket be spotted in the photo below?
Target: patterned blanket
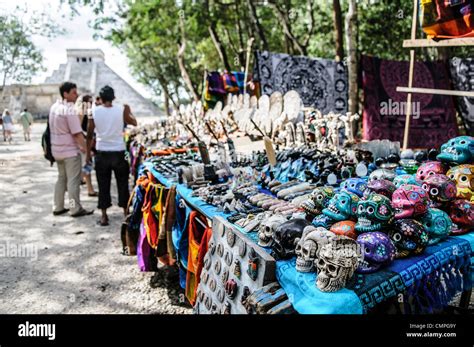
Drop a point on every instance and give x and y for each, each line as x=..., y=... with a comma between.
x=462, y=74
x=321, y=83
x=429, y=281
x=433, y=119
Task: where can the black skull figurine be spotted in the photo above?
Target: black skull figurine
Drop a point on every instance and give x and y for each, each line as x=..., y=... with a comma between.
x=284, y=238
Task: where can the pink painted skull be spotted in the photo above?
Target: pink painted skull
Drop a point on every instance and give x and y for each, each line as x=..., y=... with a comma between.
x=430, y=168
x=410, y=201
x=462, y=214
x=440, y=188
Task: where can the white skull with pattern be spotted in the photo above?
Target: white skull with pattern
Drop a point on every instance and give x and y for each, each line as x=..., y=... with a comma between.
x=337, y=263
x=308, y=247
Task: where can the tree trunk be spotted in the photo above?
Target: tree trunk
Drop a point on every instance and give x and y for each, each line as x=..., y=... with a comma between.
x=285, y=22
x=166, y=103
x=338, y=32
x=352, y=63
x=218, y=44
x=182, y=67
x=256, y=23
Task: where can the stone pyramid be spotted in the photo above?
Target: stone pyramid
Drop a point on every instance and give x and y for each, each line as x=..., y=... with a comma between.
x=87, y=68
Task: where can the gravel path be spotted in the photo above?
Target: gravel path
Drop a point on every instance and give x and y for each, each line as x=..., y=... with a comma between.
x=67, y=265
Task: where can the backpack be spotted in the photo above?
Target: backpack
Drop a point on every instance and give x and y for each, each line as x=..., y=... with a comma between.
x=46, y=143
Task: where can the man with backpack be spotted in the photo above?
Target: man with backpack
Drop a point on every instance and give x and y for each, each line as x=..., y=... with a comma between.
x=67, y=142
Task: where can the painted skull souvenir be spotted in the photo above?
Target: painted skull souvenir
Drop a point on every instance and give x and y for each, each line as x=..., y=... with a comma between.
x=382, y=174
x=336, y=264
x=284, y=238
x=463, y=177
x=309, y=246
x=462, y=214
x=409, y=237
x=459, y=150
x=382, y=187
x=377, y=250
x=438, y=225
x=374, y=214
x=406, y=179
x=345, y=228
x=356, y=186
x=410, y=201
x=321, y=196
x=309, y=207
x=342, y=206
x=430, y=168
x=267, y=228
x=440, y=189
x=323, y=221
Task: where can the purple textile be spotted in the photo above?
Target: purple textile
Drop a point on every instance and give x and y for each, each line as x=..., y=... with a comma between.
x=433, y=119
x=144, y=252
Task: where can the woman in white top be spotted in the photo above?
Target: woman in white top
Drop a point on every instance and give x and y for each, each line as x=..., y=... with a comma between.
x=108, y=122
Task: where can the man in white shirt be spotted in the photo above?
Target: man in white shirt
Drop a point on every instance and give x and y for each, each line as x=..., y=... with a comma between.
x=108, y=121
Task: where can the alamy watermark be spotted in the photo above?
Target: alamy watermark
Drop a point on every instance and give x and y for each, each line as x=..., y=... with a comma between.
x=18, y=250
x=399, y=108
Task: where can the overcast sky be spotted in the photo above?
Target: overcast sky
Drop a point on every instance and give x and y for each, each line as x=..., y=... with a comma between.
x=79, y=36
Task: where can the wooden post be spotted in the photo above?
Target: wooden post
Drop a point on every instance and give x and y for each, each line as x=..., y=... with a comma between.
x=410, y=76
x=247, y=62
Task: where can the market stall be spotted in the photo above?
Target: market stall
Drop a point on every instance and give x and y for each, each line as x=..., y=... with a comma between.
x=321, y=224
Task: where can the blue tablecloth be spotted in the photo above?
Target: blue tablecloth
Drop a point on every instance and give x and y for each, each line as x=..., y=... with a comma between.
x=415, y=275
x=364, y=291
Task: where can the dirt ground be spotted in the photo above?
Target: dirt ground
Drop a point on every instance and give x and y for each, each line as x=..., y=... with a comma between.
x=60, y=264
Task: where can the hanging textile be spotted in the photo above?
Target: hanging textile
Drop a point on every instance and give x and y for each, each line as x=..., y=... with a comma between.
x=165, y=250
x=321, y=83
x=152, y=212
x=462, y=74
x=447, y=18
x=230, y=83
x=240, y=79
x=433, y=119
x=214, y=89
x=198, y=244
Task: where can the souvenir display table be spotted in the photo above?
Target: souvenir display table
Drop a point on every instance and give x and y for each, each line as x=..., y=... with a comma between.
x=321, y=225
x=415, y=277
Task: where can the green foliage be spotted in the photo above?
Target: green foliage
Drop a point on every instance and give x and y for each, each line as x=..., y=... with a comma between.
x=20, y=59
x=149, y=32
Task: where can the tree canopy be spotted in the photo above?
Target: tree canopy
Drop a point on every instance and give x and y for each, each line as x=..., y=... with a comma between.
x=170, y=43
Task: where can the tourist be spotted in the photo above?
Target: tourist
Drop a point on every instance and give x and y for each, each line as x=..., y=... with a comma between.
x=84, y=108
x=67, y=142
x=7, y=126
x=107, y=121
x=26, y=120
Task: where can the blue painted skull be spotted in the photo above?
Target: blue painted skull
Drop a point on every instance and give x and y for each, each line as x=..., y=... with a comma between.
x=342, y=206
x=323, y=221
x=459, y=150
x=374, y=214
x=438, y=225
x=377, y=249
x=406, y=179
x=356, y=186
